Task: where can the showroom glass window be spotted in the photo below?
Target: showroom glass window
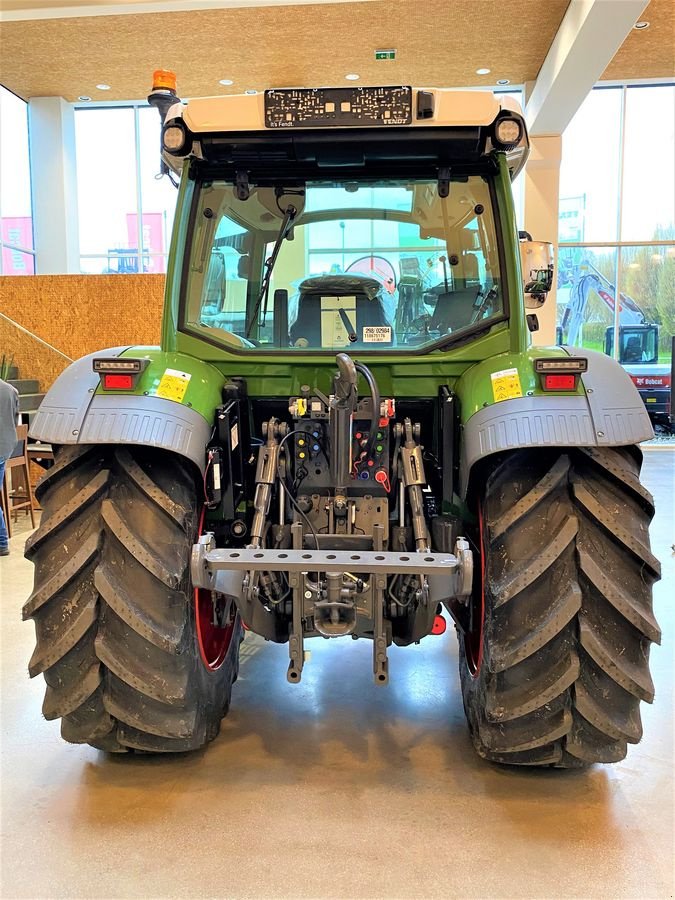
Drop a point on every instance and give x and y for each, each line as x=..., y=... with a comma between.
x=617, y=219
x=17, y=256
x=125, y=211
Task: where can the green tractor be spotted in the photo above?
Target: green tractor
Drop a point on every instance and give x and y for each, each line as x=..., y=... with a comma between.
x=345, y=432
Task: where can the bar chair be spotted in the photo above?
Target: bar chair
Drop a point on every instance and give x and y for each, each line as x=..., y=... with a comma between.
x=13, y=499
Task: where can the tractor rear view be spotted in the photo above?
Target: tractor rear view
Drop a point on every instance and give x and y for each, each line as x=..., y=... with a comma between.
x=346, y=433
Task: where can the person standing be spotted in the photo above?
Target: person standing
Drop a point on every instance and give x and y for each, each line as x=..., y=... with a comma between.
x=9, y=410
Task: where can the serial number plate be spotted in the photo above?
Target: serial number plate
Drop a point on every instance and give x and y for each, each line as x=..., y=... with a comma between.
x=326, y=107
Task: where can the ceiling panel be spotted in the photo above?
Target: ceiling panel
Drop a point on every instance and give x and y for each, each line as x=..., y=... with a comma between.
x=438, y=42
x=649, y=53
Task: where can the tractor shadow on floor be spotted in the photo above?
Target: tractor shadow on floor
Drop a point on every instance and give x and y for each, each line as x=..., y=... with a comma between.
x=337, y=730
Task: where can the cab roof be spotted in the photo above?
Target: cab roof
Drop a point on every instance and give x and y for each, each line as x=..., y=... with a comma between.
x=227, y=125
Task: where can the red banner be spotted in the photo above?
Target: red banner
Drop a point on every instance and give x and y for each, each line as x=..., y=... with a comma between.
x=153, y=239
x=651, y=381
x=17, y=230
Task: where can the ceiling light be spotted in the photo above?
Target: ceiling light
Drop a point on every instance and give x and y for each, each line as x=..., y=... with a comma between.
x=84, y=98
x=503, y=81
x=226, y=82
x=250, y=92
x=482, y=71
x=102, y=87
x=641, y=25
x=352, y=77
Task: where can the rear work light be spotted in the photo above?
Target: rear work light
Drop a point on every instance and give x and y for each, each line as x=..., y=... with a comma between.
x=119, y=374
x=560, y=374
x=508, y=132
x=175, y=138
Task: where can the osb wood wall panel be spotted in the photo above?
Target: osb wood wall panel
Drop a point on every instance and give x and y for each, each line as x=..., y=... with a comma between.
x=76, y=314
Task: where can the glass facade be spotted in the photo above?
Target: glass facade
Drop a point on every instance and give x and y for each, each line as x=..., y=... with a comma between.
x=616, y=274
x=125, y=211
x=17, y=256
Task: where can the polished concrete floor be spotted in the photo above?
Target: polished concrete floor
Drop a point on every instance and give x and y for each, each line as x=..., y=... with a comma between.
x=333, y=788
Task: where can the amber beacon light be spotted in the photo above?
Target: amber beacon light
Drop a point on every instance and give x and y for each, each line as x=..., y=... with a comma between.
x=163, y=80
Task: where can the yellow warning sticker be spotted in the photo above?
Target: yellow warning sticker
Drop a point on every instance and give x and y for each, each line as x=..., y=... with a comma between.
x=506, y=385
x=173, y=385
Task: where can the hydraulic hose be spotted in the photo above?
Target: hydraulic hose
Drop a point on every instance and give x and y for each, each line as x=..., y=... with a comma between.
x=375, y=414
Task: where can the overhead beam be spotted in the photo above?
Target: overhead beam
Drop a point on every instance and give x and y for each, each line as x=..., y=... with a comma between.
x=589, y=35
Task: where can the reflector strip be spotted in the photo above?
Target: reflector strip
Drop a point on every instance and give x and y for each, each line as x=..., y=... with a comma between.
x=118, y=382
x=560, y=382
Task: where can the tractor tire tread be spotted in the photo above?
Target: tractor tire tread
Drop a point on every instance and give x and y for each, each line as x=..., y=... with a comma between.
x=114, y=617
x=565, y=660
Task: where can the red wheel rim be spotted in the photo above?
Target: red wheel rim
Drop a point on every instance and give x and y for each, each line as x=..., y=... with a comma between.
x=473, y=638
x=214, y=641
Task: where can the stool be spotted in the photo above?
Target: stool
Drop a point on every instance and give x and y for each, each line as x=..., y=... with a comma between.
x=14, y=502
x=4, y=504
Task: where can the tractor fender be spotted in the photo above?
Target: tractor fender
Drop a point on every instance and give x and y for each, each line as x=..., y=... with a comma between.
x=608, y=413
x=76, y=411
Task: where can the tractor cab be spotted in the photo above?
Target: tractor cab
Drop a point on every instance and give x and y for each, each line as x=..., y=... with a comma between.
x=327, y=219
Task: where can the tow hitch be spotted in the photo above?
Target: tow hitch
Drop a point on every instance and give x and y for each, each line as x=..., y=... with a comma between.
x=331, y=589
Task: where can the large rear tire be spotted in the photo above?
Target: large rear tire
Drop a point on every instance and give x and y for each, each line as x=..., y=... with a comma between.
x=114, y=609
x=556, y=661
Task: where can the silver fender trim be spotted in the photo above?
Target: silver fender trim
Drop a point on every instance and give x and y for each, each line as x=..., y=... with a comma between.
x=72, y=413
x=611, y=414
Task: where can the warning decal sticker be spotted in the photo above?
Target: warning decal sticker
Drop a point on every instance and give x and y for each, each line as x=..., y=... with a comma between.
x=506, y=385
x=376, y=334
x=173, y=385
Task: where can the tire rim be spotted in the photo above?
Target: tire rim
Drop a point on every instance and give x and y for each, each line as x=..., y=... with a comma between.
x=214, y=641
x=473, y=638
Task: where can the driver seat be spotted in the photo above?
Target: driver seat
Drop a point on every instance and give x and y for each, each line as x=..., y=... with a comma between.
x=633, y=351
x=370, y=311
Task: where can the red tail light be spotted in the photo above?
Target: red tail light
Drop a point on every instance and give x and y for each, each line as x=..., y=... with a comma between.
x=118, y=382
